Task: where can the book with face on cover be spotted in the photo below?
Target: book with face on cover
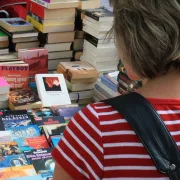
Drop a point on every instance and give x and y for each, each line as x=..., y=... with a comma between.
x=52, y=89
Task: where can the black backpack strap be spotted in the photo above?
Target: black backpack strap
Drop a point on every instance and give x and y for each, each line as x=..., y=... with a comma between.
x=151, y=130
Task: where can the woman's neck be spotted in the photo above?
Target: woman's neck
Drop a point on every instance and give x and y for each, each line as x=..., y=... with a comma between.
x=163, y=87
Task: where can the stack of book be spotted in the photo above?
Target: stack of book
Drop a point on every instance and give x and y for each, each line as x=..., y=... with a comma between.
x=99, y=48
x=79, y=33
x=80, y=79
x=21, y=34
x=114, y=84
x=55, y=21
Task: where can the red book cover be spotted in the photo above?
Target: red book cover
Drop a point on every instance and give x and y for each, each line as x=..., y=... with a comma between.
x=37, y=9
x=15, y=74
x=7, y=2
x=37, y=60
x=39, y=142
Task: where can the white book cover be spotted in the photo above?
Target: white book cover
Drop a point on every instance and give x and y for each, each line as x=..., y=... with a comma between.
x=52, y=89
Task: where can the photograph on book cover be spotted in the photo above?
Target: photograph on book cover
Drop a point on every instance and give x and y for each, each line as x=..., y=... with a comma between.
x=52, y=84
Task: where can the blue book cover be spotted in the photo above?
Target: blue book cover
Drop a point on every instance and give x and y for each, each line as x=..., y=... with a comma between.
x=37, y=177
x=13, y=160
x=19, y=134
x=55, y=139
x=108, y=83
x=68, y=112
x=15, y=118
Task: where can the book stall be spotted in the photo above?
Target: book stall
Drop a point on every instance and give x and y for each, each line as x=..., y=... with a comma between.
x=56, y=57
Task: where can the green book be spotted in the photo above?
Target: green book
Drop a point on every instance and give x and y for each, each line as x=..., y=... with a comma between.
x=3, y=36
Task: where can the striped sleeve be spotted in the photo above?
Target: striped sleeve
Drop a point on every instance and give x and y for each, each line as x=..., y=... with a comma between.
x=80, y=151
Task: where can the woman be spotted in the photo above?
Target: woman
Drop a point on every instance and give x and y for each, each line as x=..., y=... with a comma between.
x=98, y=143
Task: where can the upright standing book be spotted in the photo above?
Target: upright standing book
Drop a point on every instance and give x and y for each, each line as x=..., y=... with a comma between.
x=52, y=89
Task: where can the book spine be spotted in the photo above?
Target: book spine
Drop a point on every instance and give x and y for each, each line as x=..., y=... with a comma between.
x=37, y=18
x=42, y=3
x=108, y=83
x=36, y=24
x=112, y=79
x=91, y=39
x=37, y=9
x=89, y=14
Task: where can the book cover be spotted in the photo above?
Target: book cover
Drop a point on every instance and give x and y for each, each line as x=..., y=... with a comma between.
x=38, y=114
x=36, y=177
x=37, y=60
x=16, y=75
x=15, y=24
x=5, y=136
x=15, y=118
x=55, y=139
x=68, y=113
x=39, y=142
x=17, y=172
x=42, y=161
x=23, y=99
x=52, y=89
x=13, y=161
x=54, y=130
x=19, y=134
x=9, y=148
x=99, y=14
x=50, y=120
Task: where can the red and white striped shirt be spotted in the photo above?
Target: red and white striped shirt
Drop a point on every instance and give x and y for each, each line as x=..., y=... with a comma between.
x=99, y=144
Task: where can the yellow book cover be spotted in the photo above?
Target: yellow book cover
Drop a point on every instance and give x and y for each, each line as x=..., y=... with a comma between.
x=17, y=172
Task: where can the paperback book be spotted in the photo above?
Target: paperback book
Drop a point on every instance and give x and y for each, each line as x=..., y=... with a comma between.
x=9, y=148
x=17, y=172
x=15, y=118
x=42, y=162
x=23, y=99
x=13, y=161
x=19, y=134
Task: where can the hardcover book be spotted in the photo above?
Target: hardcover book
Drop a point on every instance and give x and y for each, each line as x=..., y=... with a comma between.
x=42, y=161
x=16, y=75
x=13, y=161
x=37, y=60
x=15, y=118
x=15, y=24
x=9, y=148
x=17, y=172
x=23, y=99
x=52, y=89
x=19, y=134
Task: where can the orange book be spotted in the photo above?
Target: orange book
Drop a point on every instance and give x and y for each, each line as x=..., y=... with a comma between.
x=15, y=74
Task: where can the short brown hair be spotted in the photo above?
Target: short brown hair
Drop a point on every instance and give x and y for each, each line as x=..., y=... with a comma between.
x=151, y=33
